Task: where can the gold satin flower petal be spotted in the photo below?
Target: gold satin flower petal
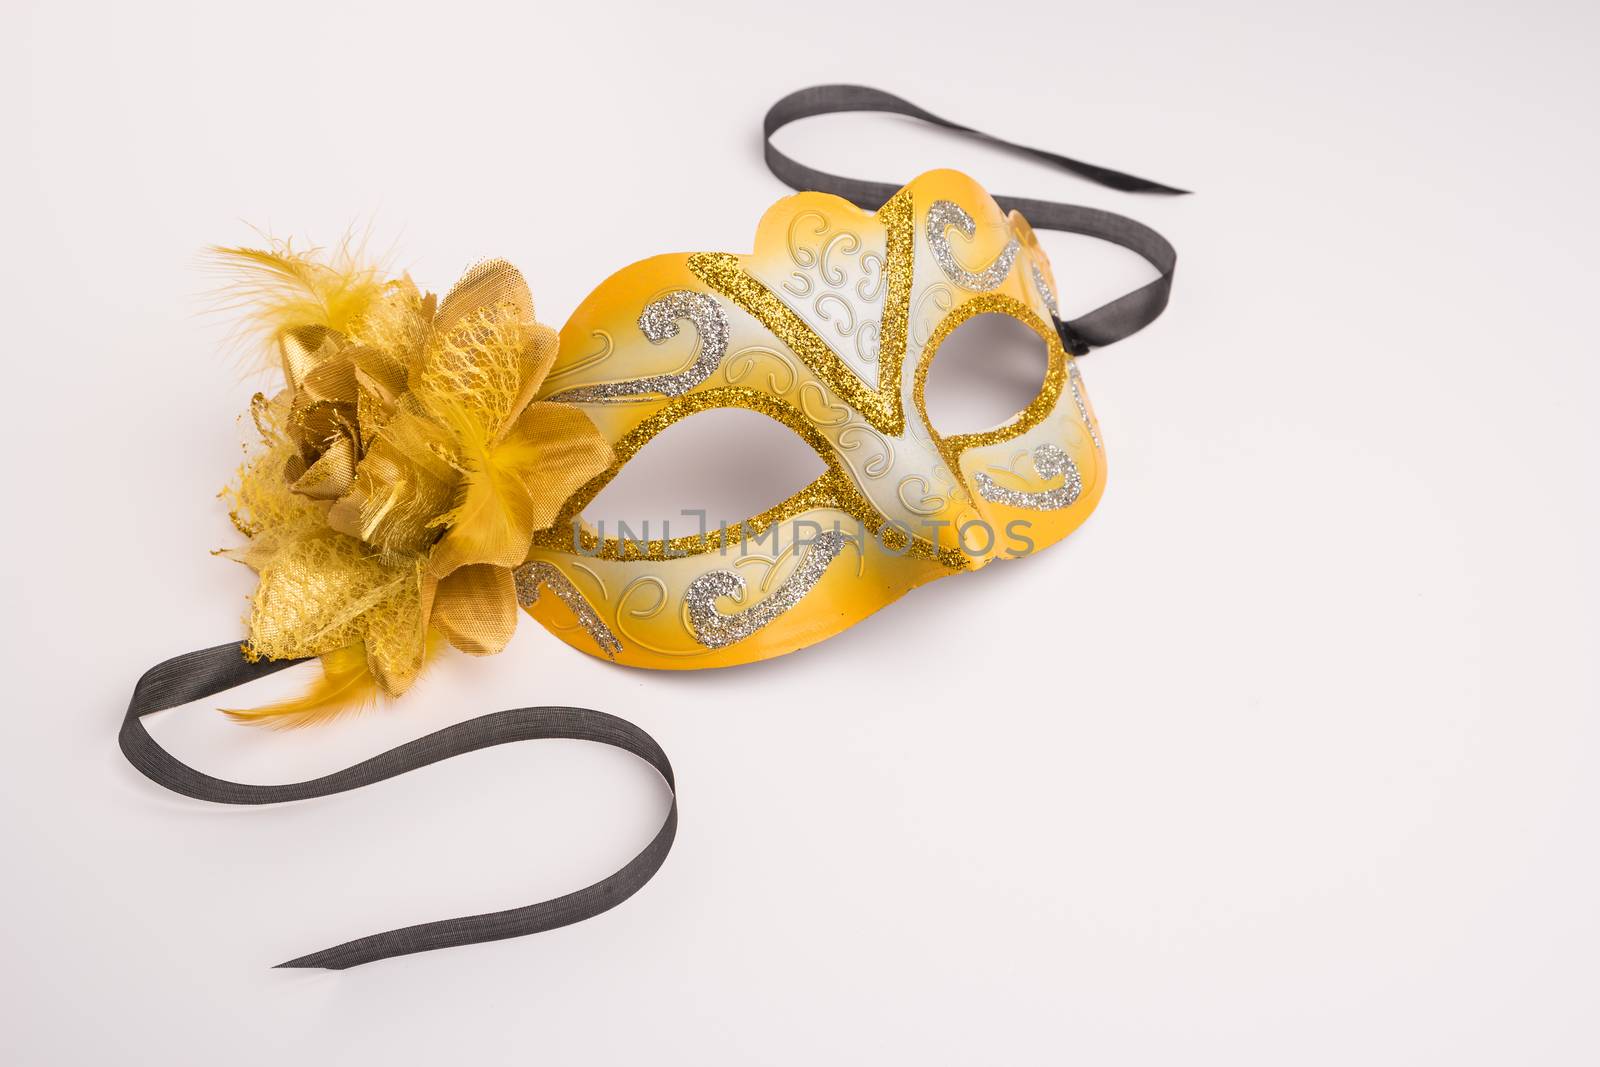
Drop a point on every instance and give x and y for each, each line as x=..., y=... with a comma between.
x=380, y=383
x=332, y=379
x=476, y=608
x=382, y=372
x=332, y=475
x=315, y=424
x=302, y=351
x=400, y=487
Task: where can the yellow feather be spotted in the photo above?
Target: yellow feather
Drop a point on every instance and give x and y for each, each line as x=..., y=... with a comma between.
x=280, y=287
x=344, y=685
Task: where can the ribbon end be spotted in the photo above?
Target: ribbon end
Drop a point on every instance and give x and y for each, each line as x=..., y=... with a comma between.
x=305, y=963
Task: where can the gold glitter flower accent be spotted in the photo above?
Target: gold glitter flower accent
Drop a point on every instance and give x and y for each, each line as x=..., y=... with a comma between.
x=403, y=470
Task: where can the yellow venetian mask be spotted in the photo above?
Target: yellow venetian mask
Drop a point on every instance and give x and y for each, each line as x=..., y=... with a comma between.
x=829, y=329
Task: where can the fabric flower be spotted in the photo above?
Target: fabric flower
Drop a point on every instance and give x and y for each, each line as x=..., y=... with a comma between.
x=404, y=471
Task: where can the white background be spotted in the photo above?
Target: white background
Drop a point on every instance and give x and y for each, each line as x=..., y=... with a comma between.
x=1286, y=758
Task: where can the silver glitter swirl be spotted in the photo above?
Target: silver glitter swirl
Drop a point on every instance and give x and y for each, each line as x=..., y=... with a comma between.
x=1049, y=461
x=1045, y=292
x=530, y=576
x=1076, y=380
x=716, y=630
x=947, y=213
x=658, y=322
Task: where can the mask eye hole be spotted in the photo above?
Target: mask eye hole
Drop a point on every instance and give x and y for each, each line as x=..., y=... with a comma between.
x=731, y=463
x=984, y=374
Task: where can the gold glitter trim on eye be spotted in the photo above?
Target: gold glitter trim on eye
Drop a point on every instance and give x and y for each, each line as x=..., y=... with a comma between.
x=833, y=489
x=896, y=217
x=881, y=407
x=1038, y=408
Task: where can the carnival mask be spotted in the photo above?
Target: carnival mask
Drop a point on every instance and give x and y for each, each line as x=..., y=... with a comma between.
x=424, y=470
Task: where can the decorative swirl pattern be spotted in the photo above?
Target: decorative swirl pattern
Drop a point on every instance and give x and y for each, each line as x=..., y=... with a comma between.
x=804, y=257
x=807, y=389
x=742, y=363
x=659, y=586
x=874, y=391
x=868, y=342
x=945, y=214
x=716, y=630
x=919, y=434
x=658, y=322
x=530, y=576
x=872, y=275
x=878, y=465
x=1049, y=461
x=924, y=321
x=607, y=346
x=929, y=504
x=846, y=327
x=831, y=273
x=1015, y=466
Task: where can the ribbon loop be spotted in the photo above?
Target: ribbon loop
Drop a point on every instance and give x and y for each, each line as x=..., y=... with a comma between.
x=197, y=675
x=1106, y=324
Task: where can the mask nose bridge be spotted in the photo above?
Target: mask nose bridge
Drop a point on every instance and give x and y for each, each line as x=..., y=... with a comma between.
x=982, y=529
x=931, y=497
x=977, y=529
